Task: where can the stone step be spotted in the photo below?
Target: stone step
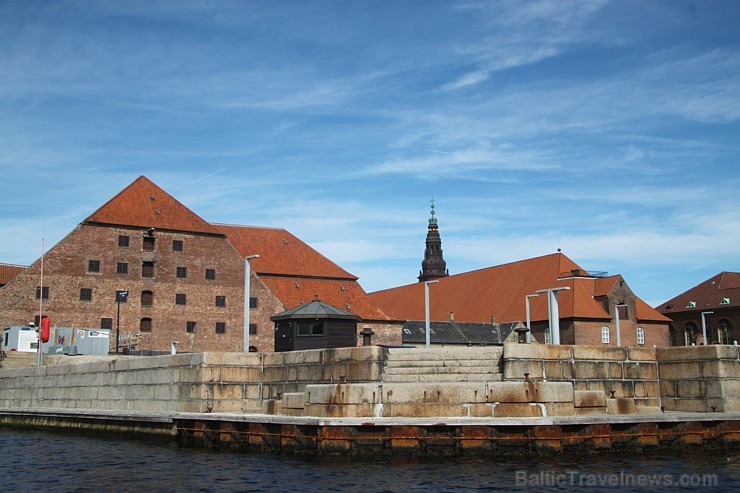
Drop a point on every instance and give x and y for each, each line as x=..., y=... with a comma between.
x=446, y=353
x=434, y=370
x=443, y=363
x=456, y=377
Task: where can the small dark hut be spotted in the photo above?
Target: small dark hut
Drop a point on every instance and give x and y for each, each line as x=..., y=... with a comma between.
x=316, y=325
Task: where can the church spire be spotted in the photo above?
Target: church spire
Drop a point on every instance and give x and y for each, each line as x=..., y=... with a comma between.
x=433, y=266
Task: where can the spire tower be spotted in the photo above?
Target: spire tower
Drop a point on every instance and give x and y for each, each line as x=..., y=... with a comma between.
x=433, y=266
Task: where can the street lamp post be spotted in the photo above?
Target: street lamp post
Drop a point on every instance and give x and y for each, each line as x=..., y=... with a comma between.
x=526, y=304
x=552, y=309
x=120, y=296
x=619, y=329
x=426, y=310
x=247, y=284
x=704, y=326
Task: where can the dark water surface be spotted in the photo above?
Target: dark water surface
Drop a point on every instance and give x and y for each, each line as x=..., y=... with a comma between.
x=33, y=461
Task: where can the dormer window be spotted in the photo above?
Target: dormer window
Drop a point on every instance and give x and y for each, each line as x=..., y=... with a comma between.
x=692, y=304
x=725, y=301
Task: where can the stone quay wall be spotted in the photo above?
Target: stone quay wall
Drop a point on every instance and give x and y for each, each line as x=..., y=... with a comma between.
x=517, y=380
x=193, y=382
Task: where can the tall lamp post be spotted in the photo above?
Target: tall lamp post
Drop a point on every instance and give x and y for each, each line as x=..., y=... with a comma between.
x=526, y=304
x=619, y=329
x=426, y=310
x=120, y=297
x=704, y=326
x=553, y=313
x=247, y=284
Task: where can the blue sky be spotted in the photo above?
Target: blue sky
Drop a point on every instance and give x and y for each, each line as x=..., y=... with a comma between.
x=610, y=129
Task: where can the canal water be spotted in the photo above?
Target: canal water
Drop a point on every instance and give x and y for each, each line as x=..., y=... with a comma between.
x=33, y=461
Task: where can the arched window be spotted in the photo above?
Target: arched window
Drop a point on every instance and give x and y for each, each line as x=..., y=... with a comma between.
x=147, y=298
x=724, y=332
x=145, y=325
x=605, y=334
x=690, y=333
x=640, y=335
x=671, y=335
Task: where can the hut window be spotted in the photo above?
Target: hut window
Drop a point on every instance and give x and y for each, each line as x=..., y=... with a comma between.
x=640, y=335
x=307, y=329
x=605, y=335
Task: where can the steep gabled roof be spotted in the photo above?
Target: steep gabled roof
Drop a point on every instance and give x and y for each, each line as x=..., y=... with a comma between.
x=500, y=291
x=8, y=272
x=280, y=253
x=720, y=291
x=143, y=204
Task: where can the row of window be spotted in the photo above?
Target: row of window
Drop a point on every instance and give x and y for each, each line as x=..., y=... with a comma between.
x=147, y=270
x=145, y=325
x=606, y=336
x=148, y=243
x=147, y=297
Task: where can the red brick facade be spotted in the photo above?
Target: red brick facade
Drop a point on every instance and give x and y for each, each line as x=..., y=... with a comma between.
x=184, y=286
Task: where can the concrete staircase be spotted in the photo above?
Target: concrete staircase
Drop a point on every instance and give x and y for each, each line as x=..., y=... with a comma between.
x=443, y=364
x=17, y=359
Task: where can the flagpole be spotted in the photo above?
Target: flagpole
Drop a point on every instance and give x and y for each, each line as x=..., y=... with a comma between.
x=41, y=304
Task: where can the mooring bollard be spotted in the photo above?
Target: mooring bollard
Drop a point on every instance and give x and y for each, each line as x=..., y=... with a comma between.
x=367, y=334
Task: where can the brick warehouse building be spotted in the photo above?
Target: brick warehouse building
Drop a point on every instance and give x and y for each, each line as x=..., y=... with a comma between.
x=184, y=278
x=713, y=305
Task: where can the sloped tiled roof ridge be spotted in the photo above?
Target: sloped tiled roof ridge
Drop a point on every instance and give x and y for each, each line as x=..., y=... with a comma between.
x=280, y=253
x=8, y=272
x=146, y=205
x=720, y=290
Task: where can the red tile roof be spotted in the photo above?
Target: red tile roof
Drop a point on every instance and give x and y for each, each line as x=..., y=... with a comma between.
x=708, y=294
x=144, y=204
x=500, y=291
x=281, y=253
x=347, y=295
x=8, y=272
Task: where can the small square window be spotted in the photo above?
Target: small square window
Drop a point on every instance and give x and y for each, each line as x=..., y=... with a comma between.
x=182, y=272
x=253, y=329
x=123, y=240
x=147, y=269
x=190, y=326
x=252, y=302
x=106, y=323
x=220, y=300
x=85, y=294
x=45, y=290
x=177, y=246
x=220, y=327
x=122, y=268
x=181, y=299
x=93, y=265
x=211, y=274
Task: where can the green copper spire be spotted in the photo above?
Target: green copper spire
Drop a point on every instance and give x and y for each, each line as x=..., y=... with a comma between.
x=432, y=220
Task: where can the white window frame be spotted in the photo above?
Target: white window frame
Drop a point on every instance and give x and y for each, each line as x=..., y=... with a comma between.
x=640, y=336
x=605, y=336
